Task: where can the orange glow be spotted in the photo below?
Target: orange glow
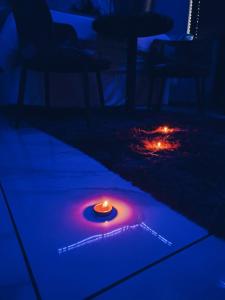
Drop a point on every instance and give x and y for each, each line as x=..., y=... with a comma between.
x=152, y=142
x=165, y=130
x=161, y=129
x=103, y=208
x=105, y=204
x=125, y=211
x=155, y=146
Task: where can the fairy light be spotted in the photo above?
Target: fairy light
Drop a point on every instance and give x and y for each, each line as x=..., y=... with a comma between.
x=197, y=19
x=194, y=5
x=190, y=16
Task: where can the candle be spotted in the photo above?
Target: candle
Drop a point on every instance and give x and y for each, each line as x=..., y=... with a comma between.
x=103, y=208
x=165, y=129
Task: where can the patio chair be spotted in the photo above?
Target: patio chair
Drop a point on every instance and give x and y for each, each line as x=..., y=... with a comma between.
x=179, y=59
x=48, y=47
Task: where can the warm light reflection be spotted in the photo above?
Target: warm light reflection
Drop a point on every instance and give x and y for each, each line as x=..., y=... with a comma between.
x=154, y=146
x=137, y=132
x=99, y=237
x=165, y=130
x=162, y=145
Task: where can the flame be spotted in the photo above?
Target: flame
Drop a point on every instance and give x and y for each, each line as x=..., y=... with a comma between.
x=156, y=145
x=165, y=129
x=75, y=213
x=105, y=203
x=149, y=144
x=161, y=129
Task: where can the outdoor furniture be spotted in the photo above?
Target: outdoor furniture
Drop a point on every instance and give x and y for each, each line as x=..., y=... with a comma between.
x=47, y=47
x=179, y=59
x=129, y=28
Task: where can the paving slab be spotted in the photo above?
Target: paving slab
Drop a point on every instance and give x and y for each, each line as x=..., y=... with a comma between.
x=14, y=280
x=51, y=187
x=196, y=273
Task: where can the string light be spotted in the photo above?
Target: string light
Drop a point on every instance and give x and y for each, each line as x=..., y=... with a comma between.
x=194, y=6
x=190, y=16
x=197, y=19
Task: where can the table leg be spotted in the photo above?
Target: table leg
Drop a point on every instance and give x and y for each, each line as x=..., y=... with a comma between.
x=131, y=72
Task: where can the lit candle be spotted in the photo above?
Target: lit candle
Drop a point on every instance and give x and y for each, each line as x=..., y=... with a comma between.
x=159, y=145
x=103, y=208
x=165, y=129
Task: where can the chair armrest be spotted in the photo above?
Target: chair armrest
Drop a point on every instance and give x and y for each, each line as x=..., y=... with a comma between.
x=65, y=34
x=175, y=51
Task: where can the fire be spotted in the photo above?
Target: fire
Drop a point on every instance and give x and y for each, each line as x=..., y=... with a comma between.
x=105, y=203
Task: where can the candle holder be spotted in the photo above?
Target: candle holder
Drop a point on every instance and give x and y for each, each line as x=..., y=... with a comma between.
x=103, y=208
x=100, y=212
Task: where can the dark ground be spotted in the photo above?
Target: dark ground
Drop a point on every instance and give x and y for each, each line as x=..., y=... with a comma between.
x=191, y=179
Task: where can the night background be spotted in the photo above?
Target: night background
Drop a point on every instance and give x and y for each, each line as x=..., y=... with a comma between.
x=112, y=142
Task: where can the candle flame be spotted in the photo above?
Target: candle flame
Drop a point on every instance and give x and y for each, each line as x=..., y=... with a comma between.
x=154, y=146
x=154, y=142
x=105, y=203
x=165, y=129
x=161, y=130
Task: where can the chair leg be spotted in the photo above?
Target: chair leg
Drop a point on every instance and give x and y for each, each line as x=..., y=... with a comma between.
x=86, y=88
x=100, y=90
x=200, y=83
x=151, y=92
x=21, y=94
x=47, y=89
x=158, y=105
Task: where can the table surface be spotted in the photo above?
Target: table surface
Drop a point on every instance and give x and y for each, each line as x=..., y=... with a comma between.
x=147, y=24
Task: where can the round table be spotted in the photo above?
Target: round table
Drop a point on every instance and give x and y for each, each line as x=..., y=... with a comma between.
x=130, y=28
